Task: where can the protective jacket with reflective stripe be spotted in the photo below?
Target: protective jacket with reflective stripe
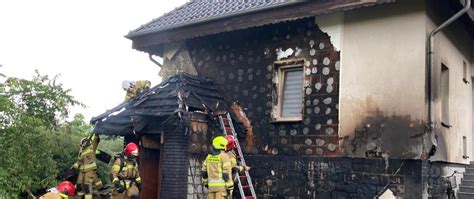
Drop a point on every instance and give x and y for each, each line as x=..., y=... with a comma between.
x=218, y=168
x=87, y=160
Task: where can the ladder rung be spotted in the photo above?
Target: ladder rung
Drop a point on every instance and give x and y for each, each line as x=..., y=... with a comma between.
x=243, y=176
x=228, y=128
x=248, y=197
x=245, y=186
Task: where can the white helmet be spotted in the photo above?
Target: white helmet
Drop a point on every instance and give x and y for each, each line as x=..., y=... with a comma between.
x=126, y=84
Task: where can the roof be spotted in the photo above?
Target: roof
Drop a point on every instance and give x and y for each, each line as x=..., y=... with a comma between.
x=201, y=11
x=180, y=93
x=200, y=18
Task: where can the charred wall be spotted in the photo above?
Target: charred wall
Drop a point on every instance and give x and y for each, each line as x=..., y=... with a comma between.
x=242, y=63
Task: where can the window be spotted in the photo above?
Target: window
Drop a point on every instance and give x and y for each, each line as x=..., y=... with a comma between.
x=464, y=72
x=290, y=92
x=464, y=145
x=444, y=96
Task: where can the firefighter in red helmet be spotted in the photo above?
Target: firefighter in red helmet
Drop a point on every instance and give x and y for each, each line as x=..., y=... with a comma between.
x=62, y=191
x=236, y=167
x=126, y=179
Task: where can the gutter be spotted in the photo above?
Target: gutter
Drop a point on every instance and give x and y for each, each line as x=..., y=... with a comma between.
x=154, y=61
x=430, y=43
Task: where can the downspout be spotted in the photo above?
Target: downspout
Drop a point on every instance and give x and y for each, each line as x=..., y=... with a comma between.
x=467, y=6
x=154, y=61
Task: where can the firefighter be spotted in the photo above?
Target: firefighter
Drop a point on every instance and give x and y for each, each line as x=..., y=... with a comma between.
x=86, y=164
x=62, y=191
x=216, y=170
x=135, y=88
x=126, y=179
x=236, y=168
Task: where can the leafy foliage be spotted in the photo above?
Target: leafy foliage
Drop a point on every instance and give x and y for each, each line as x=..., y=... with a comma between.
x=36, y=142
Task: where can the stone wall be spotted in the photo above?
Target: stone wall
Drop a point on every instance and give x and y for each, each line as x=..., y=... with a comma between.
x=315, y=177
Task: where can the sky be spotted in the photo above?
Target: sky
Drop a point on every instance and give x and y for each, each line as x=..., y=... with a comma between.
x=83, y=41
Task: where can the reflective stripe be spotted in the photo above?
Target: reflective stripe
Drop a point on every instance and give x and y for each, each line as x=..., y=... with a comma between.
x=216, y=183
x=88, y=166
x=116, y=168
x=138, y=179
x=63, y=196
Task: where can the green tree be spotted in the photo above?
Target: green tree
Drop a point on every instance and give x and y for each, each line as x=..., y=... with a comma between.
x=30, y=112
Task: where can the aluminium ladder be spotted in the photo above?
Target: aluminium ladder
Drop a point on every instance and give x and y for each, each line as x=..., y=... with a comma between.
x=228, y=127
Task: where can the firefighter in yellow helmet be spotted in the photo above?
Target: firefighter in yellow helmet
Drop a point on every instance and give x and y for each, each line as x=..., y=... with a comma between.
x=127, y=181
x=86, y=164
x=134, y=88
x=216, y=170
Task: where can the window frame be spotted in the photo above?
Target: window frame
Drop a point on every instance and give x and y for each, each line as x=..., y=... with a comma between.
x=281, y=70
x=445, y=96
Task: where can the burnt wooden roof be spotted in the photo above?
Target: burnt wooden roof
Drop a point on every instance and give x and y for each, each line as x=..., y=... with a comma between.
x=179, y=93
x=200, y=18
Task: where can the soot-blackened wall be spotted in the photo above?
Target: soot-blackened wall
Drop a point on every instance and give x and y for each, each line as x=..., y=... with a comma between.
x=242, y=63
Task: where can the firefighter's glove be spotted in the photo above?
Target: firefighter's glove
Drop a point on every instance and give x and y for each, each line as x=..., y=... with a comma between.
x=119, y=187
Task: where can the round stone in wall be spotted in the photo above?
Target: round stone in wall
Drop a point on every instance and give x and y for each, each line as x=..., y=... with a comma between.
x=337, y=65
x=233, y=62
x=317, y=126
x=317, y=110
x=274, y=151
x=308, y=102
x=282, y=132
x=330, y=80
x=240, y=78
x=314, y=70
x=326, y=61
x=319, y=151
x=288, y=36
x=326, y=71
x=259, y=109
x=284, y=141
x=224, y=58
x=328, y=111
x=309, y=110
x=307, y=121
x=307, y=71
x=337, y=106
x=262, y=89
x=308, y=141
x=329, y=131
x=231, y=76
x=254, y=88
x=250, y=60
x=318, y=86
x=305, y=130
x=331, y=147
x=218, y=59
x=315, y=62
x=321, y=46
x=254, y=96
x=204, y=148
x=296, y=147
x=268, y=104
x=268, y=76
x=328, y=100
x=329, y=89
x=308, y=151
x=311, y=43
x=308, y=33
x=250, y=77
x=307, y=63
x=269, y=68
x=293, y=132
x=236, y=89
x=250, y=70
x=245, y=92
x=258, y=72
x=258, y=59
x=320, y=142
x=329, y=122
x=208, y=58
x=240, y=72
x=315, y=102
x=309, y=91
x=221, y=73
x=312, y=52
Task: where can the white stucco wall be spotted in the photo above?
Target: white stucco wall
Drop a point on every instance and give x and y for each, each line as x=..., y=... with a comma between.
x=383, y=74
x=452, y=46
x=383, y=66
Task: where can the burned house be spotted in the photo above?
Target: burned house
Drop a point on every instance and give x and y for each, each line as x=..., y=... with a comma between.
x=339, y=99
